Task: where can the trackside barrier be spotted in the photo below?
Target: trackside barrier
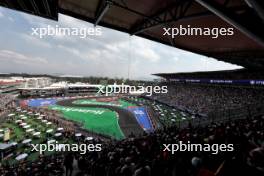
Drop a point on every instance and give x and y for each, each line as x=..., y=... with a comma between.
x=153, y=118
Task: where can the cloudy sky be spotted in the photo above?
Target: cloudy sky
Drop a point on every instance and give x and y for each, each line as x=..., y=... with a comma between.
x=113, y=54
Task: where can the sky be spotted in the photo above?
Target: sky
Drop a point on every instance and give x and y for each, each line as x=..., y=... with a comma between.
x=113, y=54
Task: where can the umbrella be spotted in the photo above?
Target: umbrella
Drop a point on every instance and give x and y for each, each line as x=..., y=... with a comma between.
x=29, y=130
x=49, y=130
x=23, y=124
x=22, y=156
x=60, y=129
x=36, y=134
x=18, y=121
x=27, y=126
x=51, y=141
x=58, y=134
x=14, y=143
x=89, y=138
x=78, y=134
x=26, y=141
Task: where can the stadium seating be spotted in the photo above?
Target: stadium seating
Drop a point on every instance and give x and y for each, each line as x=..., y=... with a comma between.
x=204, y=98
x=128, y=157
x=144, y=155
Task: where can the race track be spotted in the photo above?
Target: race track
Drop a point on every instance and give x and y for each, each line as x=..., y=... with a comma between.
x=127, y=121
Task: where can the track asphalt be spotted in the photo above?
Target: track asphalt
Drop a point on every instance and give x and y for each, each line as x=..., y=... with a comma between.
x=127, y=121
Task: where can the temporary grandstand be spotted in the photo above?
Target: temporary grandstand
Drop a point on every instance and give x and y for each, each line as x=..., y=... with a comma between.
x=59, y=89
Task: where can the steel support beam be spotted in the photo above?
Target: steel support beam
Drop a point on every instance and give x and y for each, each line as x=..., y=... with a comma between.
x=172, y=13
x=257, y=6
x=22, y=4
x=153, y=23
x=242, y=24
x=47, y=7
x=35, y=7
x=9, y=4
x=103, y=7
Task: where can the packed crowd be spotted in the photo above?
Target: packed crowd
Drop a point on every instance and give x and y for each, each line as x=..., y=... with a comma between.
x=203, y=99
x=5, y=102
x=145, y=156
x=52, y=165
x=40, y=120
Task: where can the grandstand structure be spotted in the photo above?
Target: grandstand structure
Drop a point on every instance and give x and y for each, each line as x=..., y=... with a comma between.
x=239, y=74
x=60, y=89
x=10, y=86
x=148, y=18
x=217, y=95
x=68, y=89
x=207, y=108
x=13, y=84
x=22, y=85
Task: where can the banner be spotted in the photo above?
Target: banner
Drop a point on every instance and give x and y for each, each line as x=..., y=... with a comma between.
x=220, y=81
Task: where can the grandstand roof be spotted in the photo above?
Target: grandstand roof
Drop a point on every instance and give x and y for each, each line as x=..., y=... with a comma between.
x=146, y=18
x=241, y=74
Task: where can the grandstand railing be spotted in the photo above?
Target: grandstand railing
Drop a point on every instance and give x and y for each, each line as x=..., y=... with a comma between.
x=219, y=115
x=224, y=115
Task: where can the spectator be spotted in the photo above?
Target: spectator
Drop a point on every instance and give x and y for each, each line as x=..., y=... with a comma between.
x=68, y=163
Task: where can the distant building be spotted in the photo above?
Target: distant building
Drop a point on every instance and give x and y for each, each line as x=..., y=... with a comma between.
x=14, y=84
x=60, y=89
